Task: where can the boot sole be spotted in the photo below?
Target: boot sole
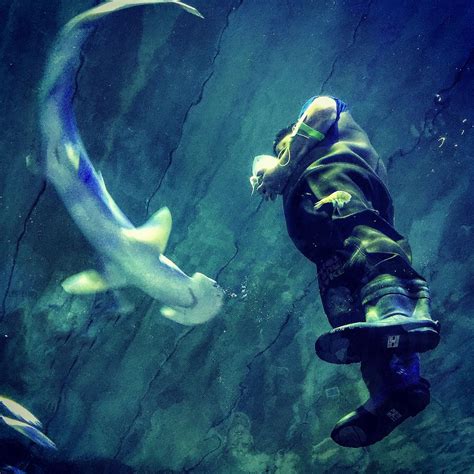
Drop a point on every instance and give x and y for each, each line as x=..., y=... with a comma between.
x=359, y=341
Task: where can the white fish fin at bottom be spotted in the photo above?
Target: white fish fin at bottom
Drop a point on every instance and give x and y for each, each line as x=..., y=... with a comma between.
x=20, y=412
x=29, y=431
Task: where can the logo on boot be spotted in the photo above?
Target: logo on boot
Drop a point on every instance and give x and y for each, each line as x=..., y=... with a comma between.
x=394, y=415
x=393, y=341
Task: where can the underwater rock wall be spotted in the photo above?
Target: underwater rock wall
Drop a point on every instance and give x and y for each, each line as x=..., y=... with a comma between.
x=172, y=110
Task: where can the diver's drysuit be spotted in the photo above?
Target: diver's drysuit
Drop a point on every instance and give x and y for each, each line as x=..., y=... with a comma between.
x=375, y=300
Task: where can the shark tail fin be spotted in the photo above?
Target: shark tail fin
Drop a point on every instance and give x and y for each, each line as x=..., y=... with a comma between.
x=115, y=5
x=155, y=231
x=189, y=9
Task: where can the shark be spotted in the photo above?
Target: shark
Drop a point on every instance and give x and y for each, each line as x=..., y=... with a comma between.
x=129, y=255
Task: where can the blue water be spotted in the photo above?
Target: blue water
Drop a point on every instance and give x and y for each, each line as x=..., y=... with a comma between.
x=172, y=110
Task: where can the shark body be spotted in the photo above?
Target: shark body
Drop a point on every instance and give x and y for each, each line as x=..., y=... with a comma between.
x=132, y=256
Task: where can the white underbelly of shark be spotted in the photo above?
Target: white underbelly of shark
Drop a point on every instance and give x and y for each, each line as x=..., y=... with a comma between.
x=131, y=256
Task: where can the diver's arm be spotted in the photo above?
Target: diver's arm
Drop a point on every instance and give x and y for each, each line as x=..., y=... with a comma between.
x=320, y=116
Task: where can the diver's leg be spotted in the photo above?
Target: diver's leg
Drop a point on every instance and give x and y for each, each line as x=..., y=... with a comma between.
x=374, y=261
x=364, y=269
x=315, y=235
x=394, y=299
x=397, y=392
x=396, y=389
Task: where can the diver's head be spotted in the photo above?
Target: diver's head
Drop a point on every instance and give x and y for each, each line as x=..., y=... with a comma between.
x=281, y=139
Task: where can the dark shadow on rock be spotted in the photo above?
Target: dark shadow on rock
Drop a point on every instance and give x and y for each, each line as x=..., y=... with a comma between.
x=15, y=454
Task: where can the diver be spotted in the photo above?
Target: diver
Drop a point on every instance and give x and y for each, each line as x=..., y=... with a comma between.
x=339, y=214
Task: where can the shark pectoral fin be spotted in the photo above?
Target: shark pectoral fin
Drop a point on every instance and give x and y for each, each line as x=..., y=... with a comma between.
x=167, y=312
x=110, y=277
x=155, y=231
x=85, y=283
x=176, y=316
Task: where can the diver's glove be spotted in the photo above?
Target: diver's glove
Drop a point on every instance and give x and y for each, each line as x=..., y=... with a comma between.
x=260, y=165
x=270, y=176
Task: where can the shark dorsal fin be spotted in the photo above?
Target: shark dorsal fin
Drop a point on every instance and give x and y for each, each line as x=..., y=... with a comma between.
x=155, y=231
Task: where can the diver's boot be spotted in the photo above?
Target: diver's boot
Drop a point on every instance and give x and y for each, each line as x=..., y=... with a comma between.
x=396, y=393
x=370, y=424
x=397, y=320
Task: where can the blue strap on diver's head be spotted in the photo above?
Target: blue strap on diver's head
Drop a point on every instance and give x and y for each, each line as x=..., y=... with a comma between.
x=340, y=105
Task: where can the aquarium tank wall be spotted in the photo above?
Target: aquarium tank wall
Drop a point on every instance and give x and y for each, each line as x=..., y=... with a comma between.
x=172, y=108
